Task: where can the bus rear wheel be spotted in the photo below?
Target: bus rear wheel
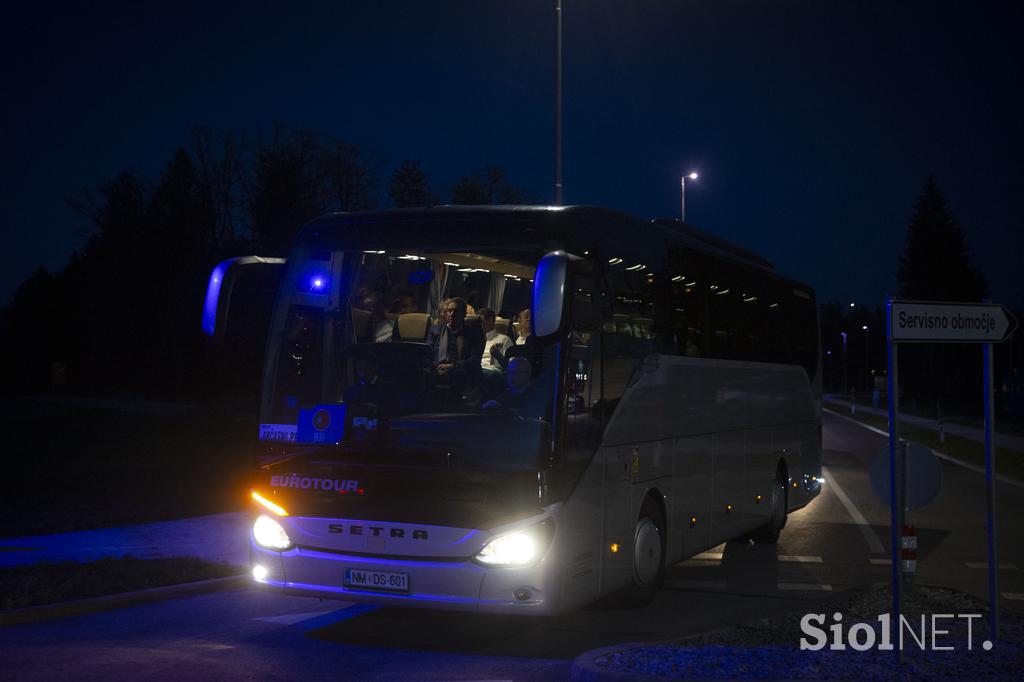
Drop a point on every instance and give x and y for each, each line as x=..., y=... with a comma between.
x=769, y=533
x=648, y=552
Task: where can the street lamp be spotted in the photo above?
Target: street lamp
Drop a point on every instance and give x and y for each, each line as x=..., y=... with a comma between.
x=845, y=389
x=867, y=356
x=682, y=195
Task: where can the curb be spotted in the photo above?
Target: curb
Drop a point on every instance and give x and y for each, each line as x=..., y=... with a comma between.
x=45, y=612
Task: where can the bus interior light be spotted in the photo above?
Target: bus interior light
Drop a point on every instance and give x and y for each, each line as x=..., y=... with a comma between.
x=614, y=548
x=259, y=573
x=614, y=261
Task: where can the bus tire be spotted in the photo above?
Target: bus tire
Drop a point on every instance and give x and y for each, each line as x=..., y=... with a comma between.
x=768, y=534
x=648, y=553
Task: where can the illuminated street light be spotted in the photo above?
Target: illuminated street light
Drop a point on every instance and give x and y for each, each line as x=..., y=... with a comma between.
x=682, y=195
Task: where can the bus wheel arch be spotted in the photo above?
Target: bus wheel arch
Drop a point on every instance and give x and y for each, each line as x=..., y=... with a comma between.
x=768, y=534
x=650, y=542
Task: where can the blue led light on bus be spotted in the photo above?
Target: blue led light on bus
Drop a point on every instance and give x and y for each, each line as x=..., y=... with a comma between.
x=313, y=283
x=213, y=297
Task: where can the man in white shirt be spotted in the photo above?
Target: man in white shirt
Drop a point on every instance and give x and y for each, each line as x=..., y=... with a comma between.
x=496, y=345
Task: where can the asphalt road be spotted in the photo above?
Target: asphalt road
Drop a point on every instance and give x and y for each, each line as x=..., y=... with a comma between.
x=249, y=634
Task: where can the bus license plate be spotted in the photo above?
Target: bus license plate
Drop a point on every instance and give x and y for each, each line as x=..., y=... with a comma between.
x=377, y=580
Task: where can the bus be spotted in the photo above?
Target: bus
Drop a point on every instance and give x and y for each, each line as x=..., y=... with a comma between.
x=676, y=392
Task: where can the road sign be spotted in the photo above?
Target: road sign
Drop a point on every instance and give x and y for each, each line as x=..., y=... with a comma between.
x=924, y=321
x=923, y=476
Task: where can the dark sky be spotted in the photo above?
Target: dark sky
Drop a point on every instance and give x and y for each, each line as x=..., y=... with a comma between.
x=813, y=124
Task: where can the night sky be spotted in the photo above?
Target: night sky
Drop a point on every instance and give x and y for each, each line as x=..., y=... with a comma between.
x=813, y=124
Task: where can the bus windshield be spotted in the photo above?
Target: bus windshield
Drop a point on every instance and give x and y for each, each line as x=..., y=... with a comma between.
x=428, y=352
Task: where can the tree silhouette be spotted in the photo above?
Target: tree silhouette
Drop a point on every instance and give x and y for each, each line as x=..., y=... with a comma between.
x=286, y=187
x=936, y=263
x=487, y=186
x=409, y=188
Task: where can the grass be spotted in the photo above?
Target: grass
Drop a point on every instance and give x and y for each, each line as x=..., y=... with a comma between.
x=93, y=468
x=1008, y=462
x=49, y=583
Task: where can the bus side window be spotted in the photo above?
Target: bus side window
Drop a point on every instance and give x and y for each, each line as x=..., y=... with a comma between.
x=582, y=409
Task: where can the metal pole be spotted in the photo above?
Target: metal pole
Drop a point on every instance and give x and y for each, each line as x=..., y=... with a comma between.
x=558, y=103
x=894, y=504
x=846, y=389
x=682, y=198
x=990, y=488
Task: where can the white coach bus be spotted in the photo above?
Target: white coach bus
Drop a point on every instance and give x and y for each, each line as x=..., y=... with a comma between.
x=675, y=390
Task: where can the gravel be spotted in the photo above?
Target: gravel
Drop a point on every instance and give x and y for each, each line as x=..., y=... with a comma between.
x=770, y=648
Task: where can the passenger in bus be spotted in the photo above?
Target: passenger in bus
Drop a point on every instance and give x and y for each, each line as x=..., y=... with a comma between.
x=380, y=328
x=369, y=388
x=521, y=395
x=496, y=345
x=522, y=326
x=457, y=347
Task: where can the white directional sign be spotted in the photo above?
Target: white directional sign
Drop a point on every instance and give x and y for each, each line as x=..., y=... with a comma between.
x=950, y=322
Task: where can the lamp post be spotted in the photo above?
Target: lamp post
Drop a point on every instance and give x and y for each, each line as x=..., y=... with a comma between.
x=682, y=195
x=867, y=357
x=845, y=387
x=558, y=102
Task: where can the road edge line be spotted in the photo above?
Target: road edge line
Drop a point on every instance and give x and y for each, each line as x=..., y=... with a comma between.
x=874, y=543
x=79, y=607
x=1002, y=478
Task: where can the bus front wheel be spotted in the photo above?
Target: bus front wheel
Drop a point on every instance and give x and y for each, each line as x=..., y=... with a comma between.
x=648, y=552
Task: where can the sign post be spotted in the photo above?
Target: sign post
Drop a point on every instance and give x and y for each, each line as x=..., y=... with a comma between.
x=895, y=505
x=946, y=322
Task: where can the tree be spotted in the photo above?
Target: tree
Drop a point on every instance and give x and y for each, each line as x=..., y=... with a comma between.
x=936, y=264
x=409, y=188
x=301, y=174
x=487, y=186
x=351, y=176
x=220, y=175
x=286, y=187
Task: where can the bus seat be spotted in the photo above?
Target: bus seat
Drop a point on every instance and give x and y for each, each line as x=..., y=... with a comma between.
x=643, y=327
x=361, y=323
x=502, y=325
x=412, y=326
x=620, y=322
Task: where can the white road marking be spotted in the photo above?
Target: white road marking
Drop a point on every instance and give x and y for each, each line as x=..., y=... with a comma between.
x=808, y=587
x=865, y=528
x=799, y=559
x=984, y=564
x=293, y=618
x=881, y=562
x=1015, y=596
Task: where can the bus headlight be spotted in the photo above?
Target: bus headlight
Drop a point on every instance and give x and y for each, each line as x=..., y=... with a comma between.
x=270, y=534
x=518, y=547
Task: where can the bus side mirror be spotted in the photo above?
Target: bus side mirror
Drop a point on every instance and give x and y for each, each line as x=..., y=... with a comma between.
x=549, y=314
x=223, y=279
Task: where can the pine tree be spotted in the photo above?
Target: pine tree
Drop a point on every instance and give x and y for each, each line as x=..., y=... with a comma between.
x=936, y=264
x=409, y=188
